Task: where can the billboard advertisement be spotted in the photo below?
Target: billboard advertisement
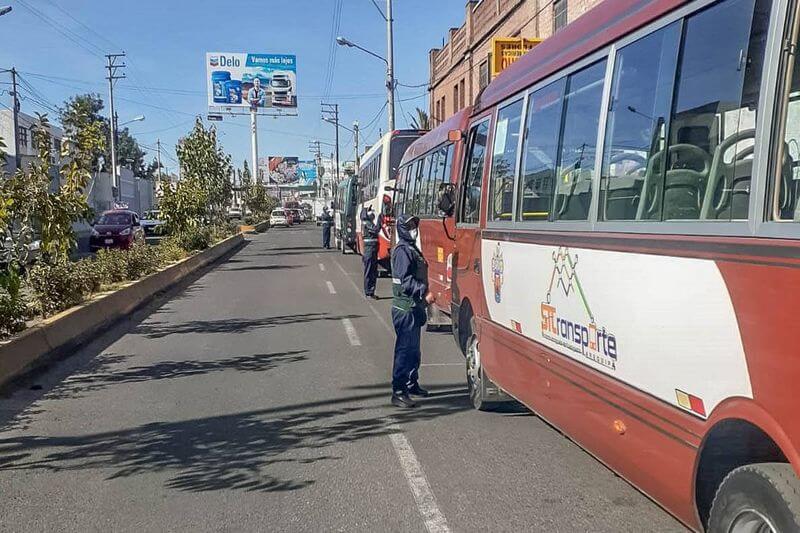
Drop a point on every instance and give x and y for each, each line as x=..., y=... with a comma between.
x=291, y=171
x=244, y=80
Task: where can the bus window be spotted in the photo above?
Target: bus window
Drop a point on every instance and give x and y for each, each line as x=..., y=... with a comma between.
x=471, y=201
x=641, y=92
x=400, y=187
x=709, y=160
x=784, y=205
x=441, y=175
x=581, y=119
x=541, y=151
x=418, y=179
x=504, y=161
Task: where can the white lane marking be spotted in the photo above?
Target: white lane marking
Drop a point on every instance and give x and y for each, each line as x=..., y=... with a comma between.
x=435, y=521
x=322, y=267
x=442, y=364
x=331, y=288
x=352, y=336
x=358, y=290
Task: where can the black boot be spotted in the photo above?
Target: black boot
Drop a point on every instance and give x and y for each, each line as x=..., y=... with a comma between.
x=402, y=399
x=416, y=390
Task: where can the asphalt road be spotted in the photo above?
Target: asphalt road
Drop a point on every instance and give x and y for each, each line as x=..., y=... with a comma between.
x=256, y=398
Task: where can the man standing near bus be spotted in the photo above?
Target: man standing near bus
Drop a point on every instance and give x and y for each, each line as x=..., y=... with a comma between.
x=369, y=232
x=326, y=228
x=411, y=298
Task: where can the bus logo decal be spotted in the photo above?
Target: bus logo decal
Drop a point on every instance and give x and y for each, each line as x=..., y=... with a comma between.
x=497, y=273
x=583, y=337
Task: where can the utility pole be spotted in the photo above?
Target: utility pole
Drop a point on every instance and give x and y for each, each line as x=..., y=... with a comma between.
x=112, y=68
x=355, y=141
x=332, y=112
x=254, y=141
x=158, y=151
x=17, y=158
x=390, y=64
x=314, y=148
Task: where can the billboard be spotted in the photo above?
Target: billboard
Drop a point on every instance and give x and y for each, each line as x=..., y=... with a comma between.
x=291, y=171
x=244, y=80
x=507, y=50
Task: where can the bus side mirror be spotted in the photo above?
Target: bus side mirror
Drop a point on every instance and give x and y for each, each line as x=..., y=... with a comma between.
x=447, y=199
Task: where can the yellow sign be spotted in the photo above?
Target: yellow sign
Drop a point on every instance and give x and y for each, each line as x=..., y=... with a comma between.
x=440, y=254
x=507, y=50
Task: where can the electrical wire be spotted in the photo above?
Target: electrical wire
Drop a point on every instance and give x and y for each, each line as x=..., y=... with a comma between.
x=64, y=31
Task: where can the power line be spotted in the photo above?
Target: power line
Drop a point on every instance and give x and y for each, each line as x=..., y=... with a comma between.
x=63, y=30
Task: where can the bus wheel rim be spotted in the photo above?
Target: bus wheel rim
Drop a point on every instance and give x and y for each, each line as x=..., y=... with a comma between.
x=473, y=366
x=751, y=521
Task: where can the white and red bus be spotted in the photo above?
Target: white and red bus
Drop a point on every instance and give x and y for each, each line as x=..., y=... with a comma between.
x=376, y=179
x=433, y=160
x=627, y=258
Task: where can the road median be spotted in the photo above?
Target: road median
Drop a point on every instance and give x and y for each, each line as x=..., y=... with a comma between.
x=73, y=327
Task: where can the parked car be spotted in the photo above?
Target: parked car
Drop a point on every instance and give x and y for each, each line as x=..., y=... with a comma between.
x=297, y=215
x=279, y=217
x=116, y=229
x=234, y=213
x=151, y=221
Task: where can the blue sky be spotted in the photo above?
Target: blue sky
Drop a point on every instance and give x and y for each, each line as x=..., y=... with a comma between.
x=166, y=41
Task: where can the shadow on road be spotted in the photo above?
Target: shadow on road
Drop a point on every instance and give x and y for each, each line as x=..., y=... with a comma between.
x=262, y=267
x=103, y=373
x=157, y=330
x=226, y=452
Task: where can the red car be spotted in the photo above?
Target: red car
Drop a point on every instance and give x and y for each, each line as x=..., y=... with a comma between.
x=116, y=229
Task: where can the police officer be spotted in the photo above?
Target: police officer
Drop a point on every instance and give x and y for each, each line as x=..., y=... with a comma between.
x=411, y=297
x=369, y=232
x=326, y=227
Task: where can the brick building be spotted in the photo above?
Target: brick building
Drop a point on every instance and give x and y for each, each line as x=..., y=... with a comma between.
x=461, y=67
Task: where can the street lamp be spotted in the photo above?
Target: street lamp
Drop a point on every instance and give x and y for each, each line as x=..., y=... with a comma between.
x=5, y=10
x=134, y=119
x=390, y=81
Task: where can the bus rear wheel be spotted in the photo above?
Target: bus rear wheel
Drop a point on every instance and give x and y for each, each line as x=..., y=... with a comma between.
x=757, y=498
x=483, y=393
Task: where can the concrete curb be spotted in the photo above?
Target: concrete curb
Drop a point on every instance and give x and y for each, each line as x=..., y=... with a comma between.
x=73, y=327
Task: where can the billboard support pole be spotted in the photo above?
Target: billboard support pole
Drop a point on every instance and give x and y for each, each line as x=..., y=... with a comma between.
x=254, y=142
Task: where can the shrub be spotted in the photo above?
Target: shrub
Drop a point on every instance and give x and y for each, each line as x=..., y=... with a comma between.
x=170, y=251
x=141, y=260
x=13, y=307
x=112, y=265
x=193, y=239
x=60, y=286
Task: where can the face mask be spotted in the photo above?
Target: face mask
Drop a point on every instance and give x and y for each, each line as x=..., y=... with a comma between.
x=414, y=233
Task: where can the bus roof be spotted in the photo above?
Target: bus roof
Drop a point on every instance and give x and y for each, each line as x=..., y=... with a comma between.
x=606, y=22
x=384, y=139
x=437, y=135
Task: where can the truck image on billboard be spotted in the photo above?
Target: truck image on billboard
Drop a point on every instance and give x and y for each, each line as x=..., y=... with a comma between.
x=252, y=81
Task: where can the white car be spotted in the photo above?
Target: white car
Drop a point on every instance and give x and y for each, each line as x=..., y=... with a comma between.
x=278, y=217
x=234, y=212
x=150, y=221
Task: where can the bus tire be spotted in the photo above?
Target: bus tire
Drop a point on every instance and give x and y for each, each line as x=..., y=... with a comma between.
x=483, y=393
x=761, y=494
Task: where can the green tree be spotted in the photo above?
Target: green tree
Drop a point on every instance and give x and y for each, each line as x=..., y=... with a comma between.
x=88, y=108
x=421, y=121
x=259, y=202
x=203, y=161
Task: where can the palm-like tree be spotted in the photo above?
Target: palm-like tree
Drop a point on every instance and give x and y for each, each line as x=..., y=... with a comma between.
x=420, y=122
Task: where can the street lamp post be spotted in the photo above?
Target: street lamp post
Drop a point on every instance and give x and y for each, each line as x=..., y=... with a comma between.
x=390, y=81
x=5, y=10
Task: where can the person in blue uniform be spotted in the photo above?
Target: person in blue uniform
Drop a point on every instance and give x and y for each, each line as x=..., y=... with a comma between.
x=326, y=227
x=369, y=232
x=410, y=300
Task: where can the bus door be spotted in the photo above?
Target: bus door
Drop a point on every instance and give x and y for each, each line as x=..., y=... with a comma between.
x=467, y=282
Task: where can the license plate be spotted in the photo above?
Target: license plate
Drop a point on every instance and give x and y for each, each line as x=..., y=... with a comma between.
x=109, y=241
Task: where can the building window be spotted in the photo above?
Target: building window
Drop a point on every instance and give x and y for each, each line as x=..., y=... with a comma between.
x=23, y=136
x=455, y=97
x=461, y=92
x=559, y=14
x=483, y=74
x=444, y=107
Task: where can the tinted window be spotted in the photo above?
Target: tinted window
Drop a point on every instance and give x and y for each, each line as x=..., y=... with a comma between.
x=582, y=104
x=471, y=201
x=398, y=147
x=541, y=151
x=708, y=165
x=442, y=174
x=641, y=93
x=114, y=219
x=504, y=161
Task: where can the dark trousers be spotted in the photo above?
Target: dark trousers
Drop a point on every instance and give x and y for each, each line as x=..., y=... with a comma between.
x=370, y=260
x=407, y=353
x=326, y=235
